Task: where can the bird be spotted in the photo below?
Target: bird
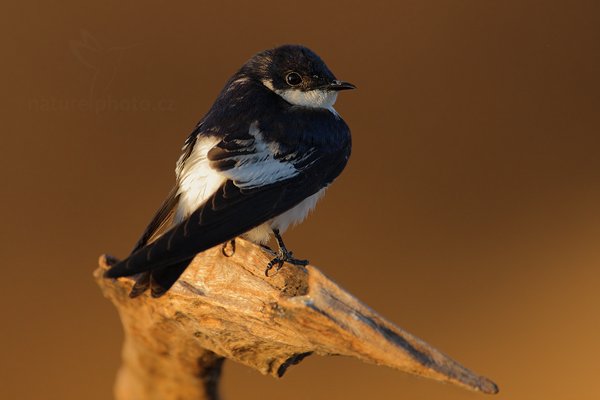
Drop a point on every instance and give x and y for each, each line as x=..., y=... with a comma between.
x=257, y=163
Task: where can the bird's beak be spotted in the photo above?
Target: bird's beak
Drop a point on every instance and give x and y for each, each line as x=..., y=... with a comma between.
x=339, y=85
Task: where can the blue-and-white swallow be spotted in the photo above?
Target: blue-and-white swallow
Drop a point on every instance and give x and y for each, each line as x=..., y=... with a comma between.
x=256, y=164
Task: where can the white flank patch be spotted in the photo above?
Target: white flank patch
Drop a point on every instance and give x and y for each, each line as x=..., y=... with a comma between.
x=197, y=180
x=262, y=233
x=313, y=98
x=297, y=214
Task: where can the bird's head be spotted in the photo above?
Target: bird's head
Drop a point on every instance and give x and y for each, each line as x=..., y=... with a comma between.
x=296, y=74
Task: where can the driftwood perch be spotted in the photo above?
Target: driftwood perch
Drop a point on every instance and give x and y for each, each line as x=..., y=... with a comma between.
x=225, y=307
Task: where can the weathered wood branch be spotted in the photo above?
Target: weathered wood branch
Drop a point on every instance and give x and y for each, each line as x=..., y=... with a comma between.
x=225, y=307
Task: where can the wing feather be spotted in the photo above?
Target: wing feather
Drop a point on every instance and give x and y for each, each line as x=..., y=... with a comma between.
x=161, y=220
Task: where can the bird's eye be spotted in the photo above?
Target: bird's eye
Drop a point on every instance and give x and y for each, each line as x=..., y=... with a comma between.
x=293, y=79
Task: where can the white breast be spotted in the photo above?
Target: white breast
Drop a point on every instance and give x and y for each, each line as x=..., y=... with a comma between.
x=262, y=233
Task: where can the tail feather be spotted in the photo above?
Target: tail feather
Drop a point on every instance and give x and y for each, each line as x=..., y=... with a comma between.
x=162, y=221
x=142, y=283
x=162, y=279
x=159, y=281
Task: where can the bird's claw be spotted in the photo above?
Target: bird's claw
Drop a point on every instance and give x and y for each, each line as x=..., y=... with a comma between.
x=282, y=257
x=225, y=248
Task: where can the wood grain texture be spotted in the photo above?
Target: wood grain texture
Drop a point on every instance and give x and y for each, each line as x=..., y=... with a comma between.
x=225, y=307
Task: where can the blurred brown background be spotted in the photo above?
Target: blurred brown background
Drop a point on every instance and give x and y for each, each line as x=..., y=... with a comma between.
x=468, y=215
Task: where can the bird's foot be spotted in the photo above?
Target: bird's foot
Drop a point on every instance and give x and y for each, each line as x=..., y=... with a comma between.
x=228, y=248
x=282, y=256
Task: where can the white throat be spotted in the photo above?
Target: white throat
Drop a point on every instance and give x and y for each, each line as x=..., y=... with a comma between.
x=312, y=98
